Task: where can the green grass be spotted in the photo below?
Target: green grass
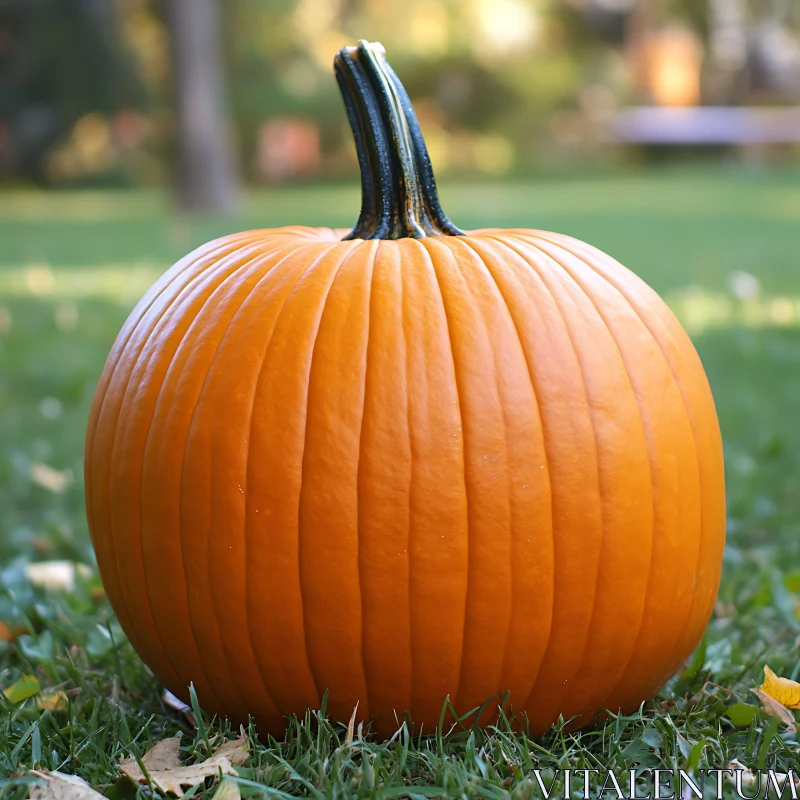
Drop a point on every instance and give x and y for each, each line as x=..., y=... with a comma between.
x=71, y=267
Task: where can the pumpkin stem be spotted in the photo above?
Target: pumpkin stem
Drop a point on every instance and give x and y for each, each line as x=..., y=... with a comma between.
x=398, y=190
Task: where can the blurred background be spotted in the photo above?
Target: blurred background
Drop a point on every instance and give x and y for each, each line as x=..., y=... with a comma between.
x=143, y=92
x=666, y=132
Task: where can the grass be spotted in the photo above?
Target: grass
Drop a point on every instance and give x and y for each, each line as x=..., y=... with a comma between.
x=71, y=267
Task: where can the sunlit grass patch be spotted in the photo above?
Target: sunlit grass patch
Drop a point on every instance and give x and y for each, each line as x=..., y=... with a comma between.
x=82, y=206
x=122, y=283
x=700, y=310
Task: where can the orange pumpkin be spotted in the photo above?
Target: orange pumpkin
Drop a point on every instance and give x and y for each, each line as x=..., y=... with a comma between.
x=405, y=463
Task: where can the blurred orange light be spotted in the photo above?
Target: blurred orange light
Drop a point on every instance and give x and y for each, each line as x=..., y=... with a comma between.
x=674, y=60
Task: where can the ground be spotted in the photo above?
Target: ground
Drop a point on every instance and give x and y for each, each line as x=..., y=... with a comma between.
x=720, y=244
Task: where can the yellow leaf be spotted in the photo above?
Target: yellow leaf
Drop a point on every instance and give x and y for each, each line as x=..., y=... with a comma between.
x=53, y=701
x=27, y=686
x=775, y=709
x=58, y=786
x=166, y=773
x=9, y=634
x=785, y=691
x=228, y=790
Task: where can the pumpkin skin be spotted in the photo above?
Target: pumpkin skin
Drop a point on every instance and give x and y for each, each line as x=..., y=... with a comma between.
x=401, y=469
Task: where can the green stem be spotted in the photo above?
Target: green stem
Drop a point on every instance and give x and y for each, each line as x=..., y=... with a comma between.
x=398, y=190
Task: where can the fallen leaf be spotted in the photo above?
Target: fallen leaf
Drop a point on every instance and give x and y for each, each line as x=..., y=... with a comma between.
x=53, y=701
x=97, y=593
x=58, y=786
x=785, y=691
x=56, y=576
x=10, y=634
x=166, y=773
x=775, y=709
x=748, y=779
x=348, y=739
x=27, y=686
x=777, y=781
x=234, y=750
x=228, y=790
x=175, y=703
x=56, y=480
x=163, y=756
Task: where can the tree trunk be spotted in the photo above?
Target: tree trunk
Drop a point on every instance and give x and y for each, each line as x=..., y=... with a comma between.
x=639, y=36
x=207, y=178
x=728, y=46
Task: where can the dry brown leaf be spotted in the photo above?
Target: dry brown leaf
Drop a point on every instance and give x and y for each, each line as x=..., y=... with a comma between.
x=784, y=690
x=166, y=773
x=175, y=703
x=53, y=701
x=56, y=576
x=775, y=780
x=161, y=757
x=58, y=786
x=97, y=593
x=10, y=634
x=348, y=739
x=775, y=709
x=234, y=750
x=56, y=480
x=228, y=790
x=748, y=780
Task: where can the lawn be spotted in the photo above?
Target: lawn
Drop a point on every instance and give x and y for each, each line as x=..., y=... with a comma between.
x=721, y=245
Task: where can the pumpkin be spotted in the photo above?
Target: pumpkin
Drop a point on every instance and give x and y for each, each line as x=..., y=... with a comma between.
x=405, y=463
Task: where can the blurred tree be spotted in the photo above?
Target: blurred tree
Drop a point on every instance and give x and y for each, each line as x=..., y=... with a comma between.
x=58, y=62
x=116, y=91
x=207, y=178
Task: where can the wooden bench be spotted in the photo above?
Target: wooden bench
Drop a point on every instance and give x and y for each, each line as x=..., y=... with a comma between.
x=711, y=125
